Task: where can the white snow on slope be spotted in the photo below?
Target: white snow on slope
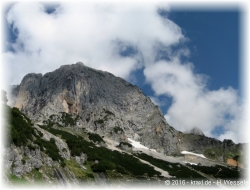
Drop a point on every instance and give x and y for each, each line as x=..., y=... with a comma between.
x=137, y=144
x=199, y=155
x=190, y=163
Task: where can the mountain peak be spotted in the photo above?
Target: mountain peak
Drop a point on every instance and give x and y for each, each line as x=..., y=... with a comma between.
x=102, y=101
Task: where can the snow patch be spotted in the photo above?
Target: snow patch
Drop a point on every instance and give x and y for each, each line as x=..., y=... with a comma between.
x=190, y=163
x=199, y=155
x=137, y=144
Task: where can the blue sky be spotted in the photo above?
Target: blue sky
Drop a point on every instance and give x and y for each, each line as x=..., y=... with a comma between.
x=186, y=61
x=214, y=43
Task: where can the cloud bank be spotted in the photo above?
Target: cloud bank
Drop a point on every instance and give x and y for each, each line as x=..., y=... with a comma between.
x=121, y=38
x=94, y=33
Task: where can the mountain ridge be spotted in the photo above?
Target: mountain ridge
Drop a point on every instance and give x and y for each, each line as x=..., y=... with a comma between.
x=77, y=123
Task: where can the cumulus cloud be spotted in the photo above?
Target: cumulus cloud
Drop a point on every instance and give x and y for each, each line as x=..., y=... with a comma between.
x=120, y=38
x=156, y=101
x=94, y=33
x=193, y=104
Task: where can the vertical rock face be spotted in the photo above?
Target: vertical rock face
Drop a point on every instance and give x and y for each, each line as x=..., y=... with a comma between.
x=102, y=102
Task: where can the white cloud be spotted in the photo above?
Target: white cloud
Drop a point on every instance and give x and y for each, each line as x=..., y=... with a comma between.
x=193, y=104
x=157, y=101
x=86, y=32
x=96, y=33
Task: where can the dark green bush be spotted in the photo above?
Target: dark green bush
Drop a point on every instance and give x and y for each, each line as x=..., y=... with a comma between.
x=31, y=147
x=125, y=143
x=109, y=112
x=120, y=169
x=20, y=127
x=62, y=163
x=123, y=162
x=94, y=156
x=117, y=129
x=51, y=116
x=102, y=166
x=174, y=169
x=95, y=137
x=51, y=148
x=37, y=133
x=67, y=119
x=218, y=171
x=99, y=121
x=23, y=161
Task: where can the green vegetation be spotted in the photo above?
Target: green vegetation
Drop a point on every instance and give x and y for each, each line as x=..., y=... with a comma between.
x=22, y=134
x=103, y=166
x=37, y=133
x=65, y=135
x=16, y=180
x=218, y=171
x=101, y=159
x=216, y=152
x=62, y=164
x=23, y=161
x=49, y=123
x=117, y=129
x=31, y=147
x=109, y=112
x=174, y=169
x=51, y=116
x=125, y=143
x=124, y=162
x=50, y=148
x=78, y=171
x=99, y=121
x=75, y=143
x=236, y=155
x=213, y=153
x=20, y=127
x=95, y=137
x=36, y=175
x=67, y=119
x=108, y=160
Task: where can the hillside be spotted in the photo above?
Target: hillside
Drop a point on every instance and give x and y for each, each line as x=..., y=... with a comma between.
x=57, y=155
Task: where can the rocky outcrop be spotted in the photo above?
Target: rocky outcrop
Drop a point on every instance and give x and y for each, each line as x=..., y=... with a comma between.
x=61, y=145
x=81, y=159
x=60, y=176
x=102, y=101
x=20, y=160
x=100, y=179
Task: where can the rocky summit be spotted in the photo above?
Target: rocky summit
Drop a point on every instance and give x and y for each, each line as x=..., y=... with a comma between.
x=77, y=124
x=102, y=102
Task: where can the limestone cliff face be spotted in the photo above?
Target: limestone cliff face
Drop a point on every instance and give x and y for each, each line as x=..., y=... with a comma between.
x=102, y=102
